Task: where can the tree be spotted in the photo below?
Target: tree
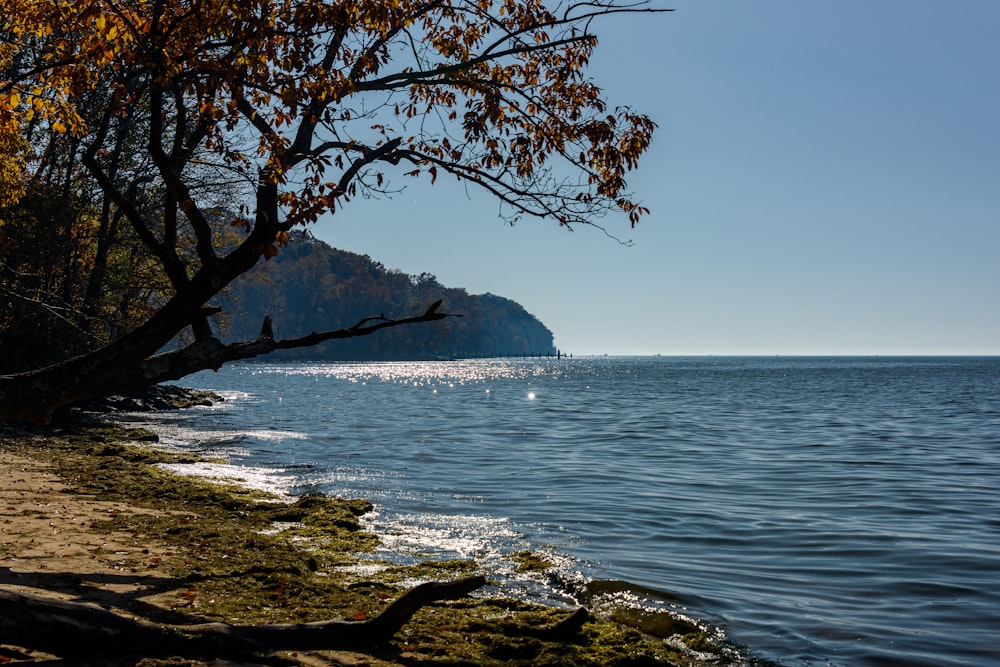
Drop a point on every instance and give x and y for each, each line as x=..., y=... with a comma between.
x=295, y=107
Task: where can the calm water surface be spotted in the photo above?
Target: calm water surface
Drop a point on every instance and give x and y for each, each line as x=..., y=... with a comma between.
x=840, y=511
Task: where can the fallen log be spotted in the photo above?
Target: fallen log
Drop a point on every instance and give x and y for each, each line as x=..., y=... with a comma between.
x=82, y=630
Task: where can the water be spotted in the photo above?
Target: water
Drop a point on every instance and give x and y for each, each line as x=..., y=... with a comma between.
x=840, y=511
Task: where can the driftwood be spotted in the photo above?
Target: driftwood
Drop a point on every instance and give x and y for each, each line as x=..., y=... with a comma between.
x=563, y=630
x=77, y=630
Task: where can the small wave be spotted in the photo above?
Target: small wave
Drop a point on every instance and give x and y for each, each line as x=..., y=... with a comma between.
x=179, y=436
x=269, y=435
x=232, y=395
x=656, y=613
x=269, y=480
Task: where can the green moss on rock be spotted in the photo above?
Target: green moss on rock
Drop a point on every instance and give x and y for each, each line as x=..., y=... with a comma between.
x=528, y=561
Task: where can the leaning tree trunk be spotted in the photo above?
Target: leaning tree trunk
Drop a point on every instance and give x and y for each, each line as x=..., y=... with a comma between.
x=33, y=396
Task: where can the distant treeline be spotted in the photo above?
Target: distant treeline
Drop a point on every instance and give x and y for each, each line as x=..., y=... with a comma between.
x=310, y=286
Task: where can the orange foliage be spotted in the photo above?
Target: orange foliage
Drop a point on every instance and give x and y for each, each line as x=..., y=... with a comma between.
x=321, y=99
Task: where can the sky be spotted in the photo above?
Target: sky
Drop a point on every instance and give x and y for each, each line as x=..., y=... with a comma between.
x=825, y=180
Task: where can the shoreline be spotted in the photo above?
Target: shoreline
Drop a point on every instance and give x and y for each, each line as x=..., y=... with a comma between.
x=88, y=516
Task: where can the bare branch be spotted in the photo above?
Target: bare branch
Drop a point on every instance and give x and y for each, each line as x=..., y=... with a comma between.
x=404, y=79
x=212, y=354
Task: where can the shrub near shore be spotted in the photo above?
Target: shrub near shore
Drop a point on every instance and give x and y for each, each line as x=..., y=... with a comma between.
x=242, y=557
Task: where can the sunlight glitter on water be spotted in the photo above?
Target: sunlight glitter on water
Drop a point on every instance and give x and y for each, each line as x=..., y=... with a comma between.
x=448, y=373
x=443, y=536
x=258, y=479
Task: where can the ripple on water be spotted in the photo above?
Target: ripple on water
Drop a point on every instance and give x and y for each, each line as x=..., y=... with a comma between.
x=823, y=511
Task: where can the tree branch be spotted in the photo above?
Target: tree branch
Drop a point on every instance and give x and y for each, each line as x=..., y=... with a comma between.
x=210, y=353
x=168, y=167
x=404, y=79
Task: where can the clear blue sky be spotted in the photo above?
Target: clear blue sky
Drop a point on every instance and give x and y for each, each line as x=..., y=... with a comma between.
x=825, y=180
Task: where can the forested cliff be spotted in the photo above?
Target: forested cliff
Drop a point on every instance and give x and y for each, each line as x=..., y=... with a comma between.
x=47, y=273
x=310, y=286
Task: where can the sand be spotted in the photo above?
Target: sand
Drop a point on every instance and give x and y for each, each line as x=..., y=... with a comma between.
x=49, y=546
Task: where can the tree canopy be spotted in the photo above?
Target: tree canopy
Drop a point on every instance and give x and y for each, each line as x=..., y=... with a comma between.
x=198, y=134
